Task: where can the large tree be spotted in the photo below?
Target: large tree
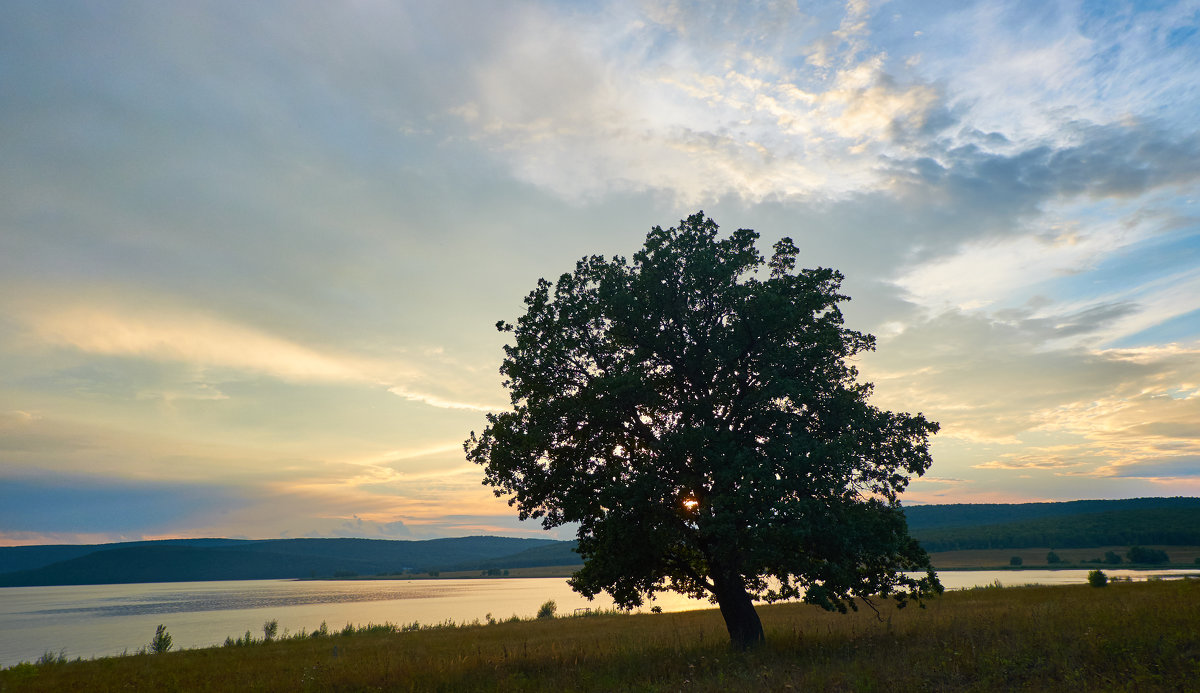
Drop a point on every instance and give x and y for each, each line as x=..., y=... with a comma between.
x=695, y=414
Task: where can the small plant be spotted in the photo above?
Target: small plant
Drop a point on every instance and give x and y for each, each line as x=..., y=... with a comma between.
x=1015, y=560
x=162, y=640
x=547, y=610
x=270, y=630
x=1097, y=578
x=49, y=657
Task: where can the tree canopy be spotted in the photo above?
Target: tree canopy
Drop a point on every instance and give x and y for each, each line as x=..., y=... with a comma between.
x=694, y=412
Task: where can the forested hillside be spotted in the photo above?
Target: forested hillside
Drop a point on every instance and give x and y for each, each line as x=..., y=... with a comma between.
x=174, y=561
x=922, y=517
x=1154, y=526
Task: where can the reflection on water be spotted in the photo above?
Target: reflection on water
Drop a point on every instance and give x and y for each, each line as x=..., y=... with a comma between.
x=101, y=620
x=256, y=595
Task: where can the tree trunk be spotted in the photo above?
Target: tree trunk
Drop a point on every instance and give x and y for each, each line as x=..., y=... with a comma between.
x=745, y=630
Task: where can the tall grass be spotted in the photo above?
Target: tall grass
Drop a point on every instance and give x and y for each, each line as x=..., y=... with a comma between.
x=1128, y=636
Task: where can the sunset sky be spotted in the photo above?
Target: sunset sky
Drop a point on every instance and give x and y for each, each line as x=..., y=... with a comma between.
x=252, y=254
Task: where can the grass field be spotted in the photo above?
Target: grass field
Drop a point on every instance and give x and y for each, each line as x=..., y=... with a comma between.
x=1124, y=637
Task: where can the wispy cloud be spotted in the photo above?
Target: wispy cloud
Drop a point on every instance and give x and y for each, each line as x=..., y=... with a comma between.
x=198, y=339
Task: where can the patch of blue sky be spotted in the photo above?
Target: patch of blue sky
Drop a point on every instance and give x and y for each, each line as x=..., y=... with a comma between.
x=87, y=505
x=1184, y=36
x=1141, y=264
x=1181, y=329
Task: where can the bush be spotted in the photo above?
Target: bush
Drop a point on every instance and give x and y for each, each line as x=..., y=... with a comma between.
x=1111, y=558
x=162, y=640
x=1140, y=554
x=1053, y=558
x=1097, y=578
x=1015, y=560
x=49, y=657
x=270, y=630
x=547, y=610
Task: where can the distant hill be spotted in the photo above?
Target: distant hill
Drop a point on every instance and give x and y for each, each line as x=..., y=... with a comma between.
x=921, y=517
x=177, y=561
x=1074, y=524
x=14, y=558
x=559, y=553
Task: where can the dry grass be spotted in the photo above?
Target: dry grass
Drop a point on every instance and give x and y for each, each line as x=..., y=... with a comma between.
x=1128, y=636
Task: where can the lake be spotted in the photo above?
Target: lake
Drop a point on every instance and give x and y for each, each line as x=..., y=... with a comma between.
x=100, y=620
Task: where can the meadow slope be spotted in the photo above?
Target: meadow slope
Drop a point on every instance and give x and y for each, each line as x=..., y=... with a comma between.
x=1123, y=637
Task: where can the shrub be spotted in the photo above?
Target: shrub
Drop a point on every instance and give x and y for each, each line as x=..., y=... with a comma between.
x=1015, y=560
x=1111, y=558
x=270, y=630
x=1053, y=558
x=162, y=640
x=49, y=658
x=1097, y=578
x=547, y=610
x=1140, y=554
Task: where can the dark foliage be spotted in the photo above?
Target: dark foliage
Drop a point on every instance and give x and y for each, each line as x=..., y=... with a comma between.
x=702, y=426
x=922, y=517
x=1167, y=526
x=1141, y=554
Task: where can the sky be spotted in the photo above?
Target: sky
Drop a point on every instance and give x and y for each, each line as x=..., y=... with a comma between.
x=252, y=254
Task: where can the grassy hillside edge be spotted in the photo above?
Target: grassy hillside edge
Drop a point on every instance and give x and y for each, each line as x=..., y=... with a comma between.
x=1123, y=637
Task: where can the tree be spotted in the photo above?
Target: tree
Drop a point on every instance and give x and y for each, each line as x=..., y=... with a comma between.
x=700, y=423
x=1141, y=554
x=161, y=644
x=1052, y=557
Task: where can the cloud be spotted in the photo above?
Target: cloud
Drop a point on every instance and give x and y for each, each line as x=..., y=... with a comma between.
x=692, y=104
x=265, y=248
x=193, y=338
x=217, y=346
x=441, y=403
x=1024, y=406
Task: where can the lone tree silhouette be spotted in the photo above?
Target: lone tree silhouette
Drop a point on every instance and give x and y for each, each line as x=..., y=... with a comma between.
x=700, y=422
